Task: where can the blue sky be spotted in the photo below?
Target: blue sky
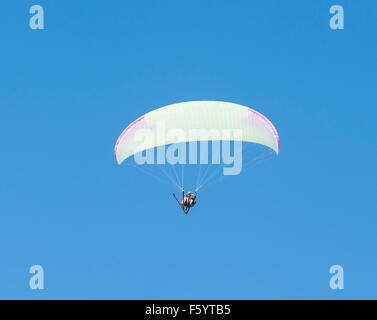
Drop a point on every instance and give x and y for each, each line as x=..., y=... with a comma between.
x=107, y=232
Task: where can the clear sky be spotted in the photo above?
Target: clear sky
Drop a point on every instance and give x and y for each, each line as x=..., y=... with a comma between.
x=105, y=231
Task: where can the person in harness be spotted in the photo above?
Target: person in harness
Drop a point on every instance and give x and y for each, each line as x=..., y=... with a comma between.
x=188, y=201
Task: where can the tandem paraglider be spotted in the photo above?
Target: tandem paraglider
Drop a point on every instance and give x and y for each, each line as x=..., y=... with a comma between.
x=188, y=201
x=164, y=144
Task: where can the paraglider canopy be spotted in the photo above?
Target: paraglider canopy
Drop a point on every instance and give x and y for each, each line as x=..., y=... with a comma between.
x=198, y=117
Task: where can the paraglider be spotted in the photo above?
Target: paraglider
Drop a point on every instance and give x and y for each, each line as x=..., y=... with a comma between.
x=160, y=138
x=188, y=201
